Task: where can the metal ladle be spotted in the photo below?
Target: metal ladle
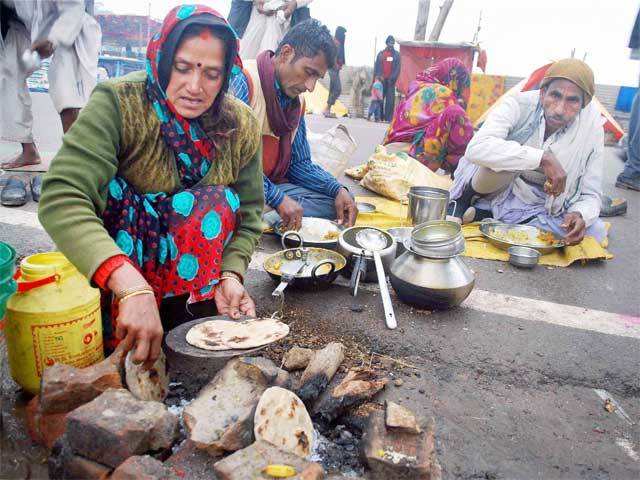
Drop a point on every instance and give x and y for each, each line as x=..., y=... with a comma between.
x=374, y=241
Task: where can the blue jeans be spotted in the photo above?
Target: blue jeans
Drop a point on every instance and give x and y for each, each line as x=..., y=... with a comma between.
x=313, y=203
x=375, y=109
x=632, y=166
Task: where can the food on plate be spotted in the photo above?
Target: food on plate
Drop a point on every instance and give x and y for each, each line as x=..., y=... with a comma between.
x=332, y=235
x=546, y=237
x=512, y=236
x=231, y=335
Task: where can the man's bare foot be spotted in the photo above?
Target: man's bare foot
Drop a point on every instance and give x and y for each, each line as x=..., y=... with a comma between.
x=29, y=156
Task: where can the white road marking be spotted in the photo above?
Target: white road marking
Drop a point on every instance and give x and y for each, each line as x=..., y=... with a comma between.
x=526, y=309
x=604, y=395
x=21, y=218
x=554, y=313
x=627, y=446
x=479, y=300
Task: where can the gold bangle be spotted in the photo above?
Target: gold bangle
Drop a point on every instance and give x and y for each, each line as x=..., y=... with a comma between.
x=231, y=277
x=135, y=294
x=138, y=288
x=230, y=274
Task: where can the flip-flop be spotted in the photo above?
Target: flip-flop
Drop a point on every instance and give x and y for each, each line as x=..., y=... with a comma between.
x=36, y=187
x=14, y=193
x=612, y=207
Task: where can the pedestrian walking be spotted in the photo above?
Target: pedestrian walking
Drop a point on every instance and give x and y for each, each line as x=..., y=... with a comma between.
x=388, y=67
x=335, y=86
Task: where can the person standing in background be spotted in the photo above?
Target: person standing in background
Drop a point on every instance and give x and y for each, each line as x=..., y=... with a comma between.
x=335, y=86
x=377, y=94
x=31, y=31
x=630, y=176
x=266, y=26
x=388, y=67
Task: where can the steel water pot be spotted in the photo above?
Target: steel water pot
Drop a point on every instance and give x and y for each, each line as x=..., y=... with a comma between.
x=431, y=283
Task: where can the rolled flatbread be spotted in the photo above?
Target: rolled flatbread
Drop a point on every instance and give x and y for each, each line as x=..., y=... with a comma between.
x=231, y=335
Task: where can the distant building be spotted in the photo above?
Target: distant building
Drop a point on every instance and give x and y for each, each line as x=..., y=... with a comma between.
x=126, y=35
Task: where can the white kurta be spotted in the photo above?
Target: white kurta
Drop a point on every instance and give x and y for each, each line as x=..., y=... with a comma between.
x=73, y=70
x=264, y=32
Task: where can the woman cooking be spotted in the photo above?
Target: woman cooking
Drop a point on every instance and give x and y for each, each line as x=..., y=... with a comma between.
x=156, y=193
x=431, y=124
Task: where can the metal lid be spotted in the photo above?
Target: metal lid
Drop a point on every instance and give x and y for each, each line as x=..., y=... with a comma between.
x=436, y=232
x=437, y=239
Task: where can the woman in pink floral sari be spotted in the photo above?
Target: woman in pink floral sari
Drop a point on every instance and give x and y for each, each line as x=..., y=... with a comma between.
x=431, y=124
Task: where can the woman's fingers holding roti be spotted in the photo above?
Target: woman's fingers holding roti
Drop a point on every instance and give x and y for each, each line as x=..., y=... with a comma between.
x=247, y=305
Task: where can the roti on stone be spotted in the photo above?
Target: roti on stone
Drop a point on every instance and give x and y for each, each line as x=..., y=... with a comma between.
x=282, y=419
x=231, y=335
x=149, y=385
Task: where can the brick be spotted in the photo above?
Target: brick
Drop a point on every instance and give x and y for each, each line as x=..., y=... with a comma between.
x=191, y=463
x=397, y=416
x=220, y=419
x=63, y=463
x=395, y=453
x=116, y=426
x=44, y=428
x=247, y=464
x=64, y=388
x=140, y=468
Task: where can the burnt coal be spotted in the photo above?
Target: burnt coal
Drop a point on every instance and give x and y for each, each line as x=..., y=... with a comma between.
x=337, y=450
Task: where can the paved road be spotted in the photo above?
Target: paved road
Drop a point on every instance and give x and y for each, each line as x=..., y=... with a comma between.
x=514, y=378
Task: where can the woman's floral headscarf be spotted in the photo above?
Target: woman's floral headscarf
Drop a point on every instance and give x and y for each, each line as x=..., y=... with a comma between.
x=193, y=149
x=451, y=73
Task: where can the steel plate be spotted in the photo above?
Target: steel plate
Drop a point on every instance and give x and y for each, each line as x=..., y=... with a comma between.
x=497, y=234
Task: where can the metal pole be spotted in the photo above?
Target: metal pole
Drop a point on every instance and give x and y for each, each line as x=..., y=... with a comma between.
x=421, y=22
x=442, y=17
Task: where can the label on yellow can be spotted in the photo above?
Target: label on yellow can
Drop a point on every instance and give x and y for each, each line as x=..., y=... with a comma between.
x=76, y=342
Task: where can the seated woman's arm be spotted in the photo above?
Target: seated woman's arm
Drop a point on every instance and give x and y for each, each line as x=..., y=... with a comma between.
x=249, y=186
x=74, y=189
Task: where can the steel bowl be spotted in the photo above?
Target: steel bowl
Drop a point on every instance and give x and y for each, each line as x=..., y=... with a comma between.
x=523, y=257
x=400, y=234
x=315, y=232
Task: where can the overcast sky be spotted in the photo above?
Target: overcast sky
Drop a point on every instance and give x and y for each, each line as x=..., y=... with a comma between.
x=518, y=35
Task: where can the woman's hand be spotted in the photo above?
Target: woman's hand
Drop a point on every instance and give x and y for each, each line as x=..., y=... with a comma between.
x=138, y=324
x=233, y=300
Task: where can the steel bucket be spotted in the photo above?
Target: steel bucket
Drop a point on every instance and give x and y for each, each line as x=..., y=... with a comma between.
x=427, y=204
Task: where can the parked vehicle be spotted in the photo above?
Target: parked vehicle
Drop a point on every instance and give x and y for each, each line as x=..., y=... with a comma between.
x=108, y=67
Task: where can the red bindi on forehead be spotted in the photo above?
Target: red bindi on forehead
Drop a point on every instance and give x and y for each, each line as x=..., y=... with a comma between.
x=206, y=34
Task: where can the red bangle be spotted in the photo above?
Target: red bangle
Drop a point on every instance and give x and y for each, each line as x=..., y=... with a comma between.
x=104, y=271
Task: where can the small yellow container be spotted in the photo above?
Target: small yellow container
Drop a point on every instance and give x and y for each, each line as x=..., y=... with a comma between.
x=54, y=317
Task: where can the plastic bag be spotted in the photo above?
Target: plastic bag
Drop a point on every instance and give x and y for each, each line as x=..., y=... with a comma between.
x=332, y=149
x=392, y=174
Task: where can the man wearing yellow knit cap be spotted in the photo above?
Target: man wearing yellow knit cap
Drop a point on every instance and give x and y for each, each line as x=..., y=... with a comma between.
x=538, y=157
